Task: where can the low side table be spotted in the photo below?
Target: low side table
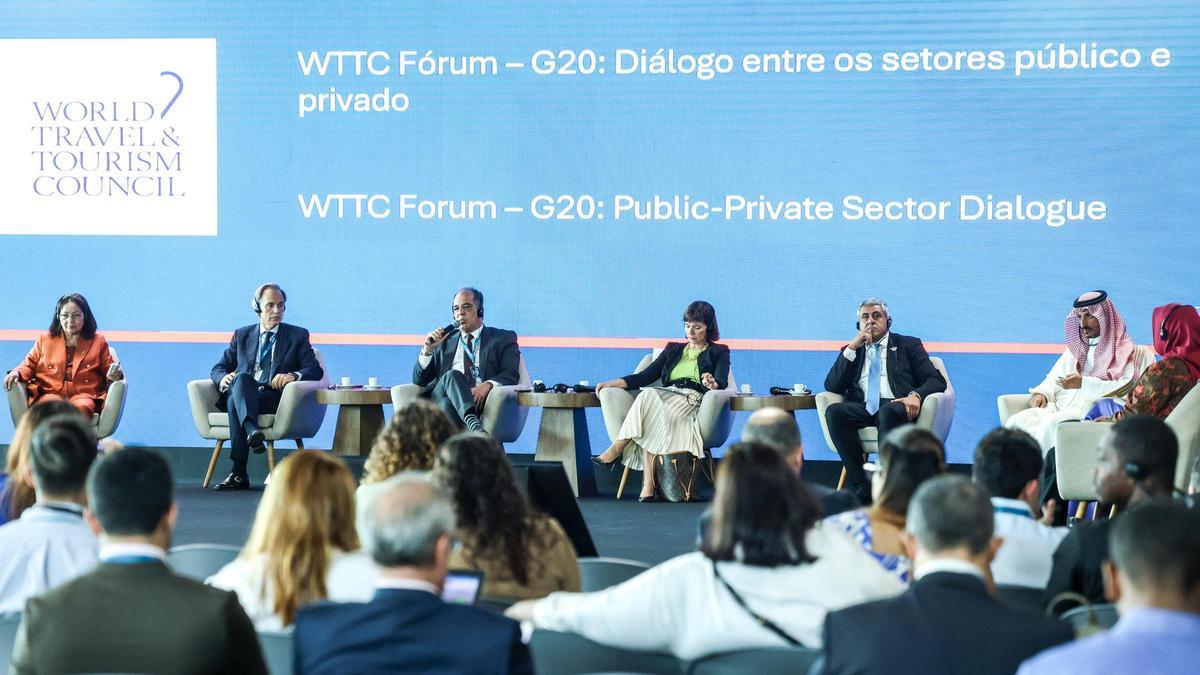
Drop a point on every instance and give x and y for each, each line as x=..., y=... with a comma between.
x=563, y=436
x=788, y=402
x=360, y=417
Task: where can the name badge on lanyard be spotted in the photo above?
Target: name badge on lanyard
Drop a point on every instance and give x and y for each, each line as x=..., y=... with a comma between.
x=469, y=353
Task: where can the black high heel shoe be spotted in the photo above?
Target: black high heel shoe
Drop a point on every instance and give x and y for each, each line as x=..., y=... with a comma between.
x=651, y=498
x=599, y=462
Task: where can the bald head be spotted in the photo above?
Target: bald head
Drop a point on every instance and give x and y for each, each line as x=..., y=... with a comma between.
x=405, y=520
x=776, y=428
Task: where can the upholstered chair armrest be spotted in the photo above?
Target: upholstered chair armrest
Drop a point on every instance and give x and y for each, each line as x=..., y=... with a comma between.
x=715, y=417
x=299, y=415
x=18, y=401
x=1011, y=404
x=1076, y=453
x=114, y=406
x=503, y=417
x=403, y=394
x=937, y=413
x=614, y=405
x=824, y=400
x=202, y=395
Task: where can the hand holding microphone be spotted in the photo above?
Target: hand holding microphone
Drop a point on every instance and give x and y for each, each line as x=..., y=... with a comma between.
x=436, y=337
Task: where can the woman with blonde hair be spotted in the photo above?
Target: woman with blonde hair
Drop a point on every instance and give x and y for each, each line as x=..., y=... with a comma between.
x=303, y=546
x=16, y=488
x=409, y=443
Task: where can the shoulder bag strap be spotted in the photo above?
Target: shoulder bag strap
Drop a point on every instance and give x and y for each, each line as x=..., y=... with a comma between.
x=762, y=621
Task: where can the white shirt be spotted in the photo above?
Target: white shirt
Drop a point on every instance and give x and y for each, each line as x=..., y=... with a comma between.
x=1027, y=555
x=132, y=550
x=680, y=607
x=351, y=578
x=459, y=358
x=396, y=584
x=885, y=388
x=47, y=546
x=947, y=565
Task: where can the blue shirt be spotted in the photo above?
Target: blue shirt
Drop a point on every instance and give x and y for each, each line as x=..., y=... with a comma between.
x=47, y=546
x=1145, y=641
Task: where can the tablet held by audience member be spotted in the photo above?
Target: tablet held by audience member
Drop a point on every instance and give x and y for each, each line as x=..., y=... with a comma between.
x=408, y=529
x=132, y=614
x=908, y=456
x=766, y=576
x=522, y=553
x=1154, y=577
x=409, y=443
x=947, y=622
x=17, y=493
x=50, y=544
x=303, y=546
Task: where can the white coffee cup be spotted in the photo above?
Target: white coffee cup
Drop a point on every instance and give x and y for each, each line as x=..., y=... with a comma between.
x=746, y=389
x=372, y=381
x=585, y=383
x=798, y=388
x=345, y=381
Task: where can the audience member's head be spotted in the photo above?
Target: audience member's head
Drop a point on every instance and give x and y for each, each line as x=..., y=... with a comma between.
x=1008, y=462
x=408, y=528
x=950, y=517
x=130, y=498
x=18, y=493
x=306, y=513
x=61, y=452
x=493, y=515
x=761, y=511
x=1137, y=459
x=908, y=456
x=409, y=443
x=777, y=428
x=1155, y=557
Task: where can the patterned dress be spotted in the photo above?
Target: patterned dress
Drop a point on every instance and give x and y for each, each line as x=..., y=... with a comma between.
x=857, y=524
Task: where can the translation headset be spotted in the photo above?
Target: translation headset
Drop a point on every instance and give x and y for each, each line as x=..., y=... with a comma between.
x=560, y=388
x=254, y=301
x=1162, y=329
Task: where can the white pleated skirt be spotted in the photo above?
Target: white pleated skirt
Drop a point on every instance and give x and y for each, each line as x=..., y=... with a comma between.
x=662, y=420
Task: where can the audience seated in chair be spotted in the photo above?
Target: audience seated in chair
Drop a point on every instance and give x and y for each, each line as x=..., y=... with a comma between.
x=303, y=546
x=132, y=614
x=1154, y=577
x=1008, y=462
x=947, y=622
x=908, y=457
x=17, y=492
x=1137, y=460
x=408, y=529
x=522, y=553
x=50, y=544
x=765, y=577
x=409, y=443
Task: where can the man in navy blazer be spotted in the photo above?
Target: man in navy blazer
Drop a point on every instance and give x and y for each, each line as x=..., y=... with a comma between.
x=459, y=373
x=407, y=527
x=883, y=376
x=260, y=361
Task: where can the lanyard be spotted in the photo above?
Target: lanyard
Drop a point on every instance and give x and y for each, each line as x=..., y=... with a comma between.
x=1012, y=510
x=469, y=352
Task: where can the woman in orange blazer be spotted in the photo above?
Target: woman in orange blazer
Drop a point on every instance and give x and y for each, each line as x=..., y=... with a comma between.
x=71, y=362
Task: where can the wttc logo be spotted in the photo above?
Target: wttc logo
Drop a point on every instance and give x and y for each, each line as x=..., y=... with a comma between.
x=109, y=137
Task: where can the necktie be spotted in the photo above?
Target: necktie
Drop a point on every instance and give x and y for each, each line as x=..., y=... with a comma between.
x=469, y=360
x=873, y=382
x=264, y=357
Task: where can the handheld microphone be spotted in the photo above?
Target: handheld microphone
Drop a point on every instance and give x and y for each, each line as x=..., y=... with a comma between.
x=453, y=325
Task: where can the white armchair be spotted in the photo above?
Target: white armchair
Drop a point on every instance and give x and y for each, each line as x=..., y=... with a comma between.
x=715, y=417
x=936, y=416
x=1011, y=404
x=299, y=416
x=502, y=416
x=104, y=422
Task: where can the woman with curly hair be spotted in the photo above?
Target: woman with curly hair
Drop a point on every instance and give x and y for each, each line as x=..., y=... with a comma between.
x=522, y=553
x=303, y=546
x=408, y=443
x=16, y=492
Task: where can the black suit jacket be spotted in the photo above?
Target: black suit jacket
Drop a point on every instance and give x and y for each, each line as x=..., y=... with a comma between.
x=908, y=369
x=499, y=358
x=138, y=618
x=713, y=360
x=945, y=623
x=406, y=631
x=1077, y=563
x=293, y=354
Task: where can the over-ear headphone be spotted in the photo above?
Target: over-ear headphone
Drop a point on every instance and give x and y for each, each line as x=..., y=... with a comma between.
x=1162, y=329
x=254, y=301
x=1135, y=471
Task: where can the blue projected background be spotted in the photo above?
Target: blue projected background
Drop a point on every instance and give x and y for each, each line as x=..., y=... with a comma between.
x=1123, y=136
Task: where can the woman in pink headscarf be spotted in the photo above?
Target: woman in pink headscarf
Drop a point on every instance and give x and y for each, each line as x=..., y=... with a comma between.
x=1165, y=383
x=1100, y=361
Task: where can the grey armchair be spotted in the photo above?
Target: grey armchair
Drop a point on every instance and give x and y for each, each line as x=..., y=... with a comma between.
x=299, y=416
x=715, y=417
x=936, y=416
x=502, y=416
x=104, y=422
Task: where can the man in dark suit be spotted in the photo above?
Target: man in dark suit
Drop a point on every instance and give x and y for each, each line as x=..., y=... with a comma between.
x=407, y=527
x=132, y=614
x=883, y=376
x=260, y=361
x=947, y=622
x=459, y=373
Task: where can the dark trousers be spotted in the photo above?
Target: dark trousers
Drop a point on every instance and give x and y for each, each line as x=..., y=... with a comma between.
x=245, y=402
x=846, y=418
x=452, y=392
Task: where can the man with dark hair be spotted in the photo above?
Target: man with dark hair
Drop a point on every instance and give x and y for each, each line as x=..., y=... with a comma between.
x=261, y=360
x=1008, y=462
x=1137, y=461
x=50, y=544
x=459, y=373
x=407, y=527
x=947, y=622
x=1154, y=577
x=132, y=614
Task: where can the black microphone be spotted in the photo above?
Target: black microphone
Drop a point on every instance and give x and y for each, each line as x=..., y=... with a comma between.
x=452, y=326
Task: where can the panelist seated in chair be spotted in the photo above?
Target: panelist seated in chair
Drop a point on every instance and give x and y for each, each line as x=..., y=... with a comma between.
x=70, y=362
x=261, y=360
x=884, y=377
x=459, y=367
x=664, y=418
x=1164, y=383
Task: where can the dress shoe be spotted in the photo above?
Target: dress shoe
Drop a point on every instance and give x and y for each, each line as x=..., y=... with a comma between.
x=599, y=462
x=233, y=482
x=255, y=440
x=648, y=498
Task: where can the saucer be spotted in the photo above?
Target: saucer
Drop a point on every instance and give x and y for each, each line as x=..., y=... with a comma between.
x=375, y=388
